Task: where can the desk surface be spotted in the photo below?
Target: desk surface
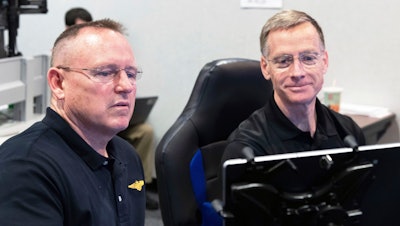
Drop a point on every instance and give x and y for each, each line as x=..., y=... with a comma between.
x=12, y=128
x=366, y=121
x=373, y=128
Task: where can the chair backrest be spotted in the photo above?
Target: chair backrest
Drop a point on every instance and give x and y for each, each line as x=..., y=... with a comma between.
x=226, y=92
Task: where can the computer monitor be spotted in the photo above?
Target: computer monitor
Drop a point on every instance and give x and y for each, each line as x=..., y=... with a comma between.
x=143, y=107
x=327, y=187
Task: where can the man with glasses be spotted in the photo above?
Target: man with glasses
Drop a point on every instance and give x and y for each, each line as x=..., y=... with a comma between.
x=71, y=168
x=294, y=58
x=140, y=136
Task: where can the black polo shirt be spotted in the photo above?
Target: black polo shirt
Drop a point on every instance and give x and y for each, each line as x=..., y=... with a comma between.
x=268, y=131
x=50, y=176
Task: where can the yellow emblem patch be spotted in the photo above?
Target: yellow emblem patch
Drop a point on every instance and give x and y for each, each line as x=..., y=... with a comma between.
x=138, y=185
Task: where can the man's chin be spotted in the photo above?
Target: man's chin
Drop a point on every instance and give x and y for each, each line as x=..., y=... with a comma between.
x=302, y=99
x=121, y=124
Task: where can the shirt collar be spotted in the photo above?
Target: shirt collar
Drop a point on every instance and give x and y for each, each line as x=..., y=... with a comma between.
x=286, y=130
x=93, y=159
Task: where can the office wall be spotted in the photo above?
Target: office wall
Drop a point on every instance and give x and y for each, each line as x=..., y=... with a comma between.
x=173, y=39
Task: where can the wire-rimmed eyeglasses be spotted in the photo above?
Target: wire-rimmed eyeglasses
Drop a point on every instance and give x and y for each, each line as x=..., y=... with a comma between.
x=308, y=59
x=106, y=74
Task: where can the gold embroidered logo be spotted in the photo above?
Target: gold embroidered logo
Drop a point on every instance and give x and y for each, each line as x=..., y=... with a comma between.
x=137, y=185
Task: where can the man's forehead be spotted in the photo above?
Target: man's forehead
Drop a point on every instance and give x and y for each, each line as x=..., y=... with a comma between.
x=94, y=41
x=299, y=39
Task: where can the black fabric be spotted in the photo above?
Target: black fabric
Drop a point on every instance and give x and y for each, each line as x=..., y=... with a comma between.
x=50, y=176
x=267, y=131
x=226, y=92
x=212, y=155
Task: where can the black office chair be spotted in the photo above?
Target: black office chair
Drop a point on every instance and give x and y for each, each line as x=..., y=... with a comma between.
x=226, y=92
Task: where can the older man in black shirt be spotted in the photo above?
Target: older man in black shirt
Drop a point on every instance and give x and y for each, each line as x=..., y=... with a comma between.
x=294, y=58
x=71, y=169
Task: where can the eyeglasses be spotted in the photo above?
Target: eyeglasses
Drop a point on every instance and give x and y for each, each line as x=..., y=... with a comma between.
x=308, y=59
x=106, y=74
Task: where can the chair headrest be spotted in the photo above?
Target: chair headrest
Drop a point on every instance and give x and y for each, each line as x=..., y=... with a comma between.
x=226, y=92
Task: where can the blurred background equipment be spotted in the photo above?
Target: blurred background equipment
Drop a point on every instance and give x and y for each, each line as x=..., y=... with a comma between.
x=9, y=20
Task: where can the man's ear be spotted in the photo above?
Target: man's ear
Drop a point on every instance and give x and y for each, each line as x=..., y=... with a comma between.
x=265, y=68
x=55, y=80
x=325, y=60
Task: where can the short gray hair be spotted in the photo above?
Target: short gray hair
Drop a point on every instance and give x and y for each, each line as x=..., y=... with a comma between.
x=73, y=31
x=284, y=20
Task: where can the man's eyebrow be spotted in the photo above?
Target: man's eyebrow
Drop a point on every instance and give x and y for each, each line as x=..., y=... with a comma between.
x=282, y=55
x=130, y=67
x=114, y=66
x=107, y=66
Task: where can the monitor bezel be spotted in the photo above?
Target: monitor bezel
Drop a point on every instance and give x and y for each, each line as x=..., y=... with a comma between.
x=374, y=152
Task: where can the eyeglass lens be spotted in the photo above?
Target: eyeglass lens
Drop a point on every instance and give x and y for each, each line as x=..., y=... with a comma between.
x=284, y=61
